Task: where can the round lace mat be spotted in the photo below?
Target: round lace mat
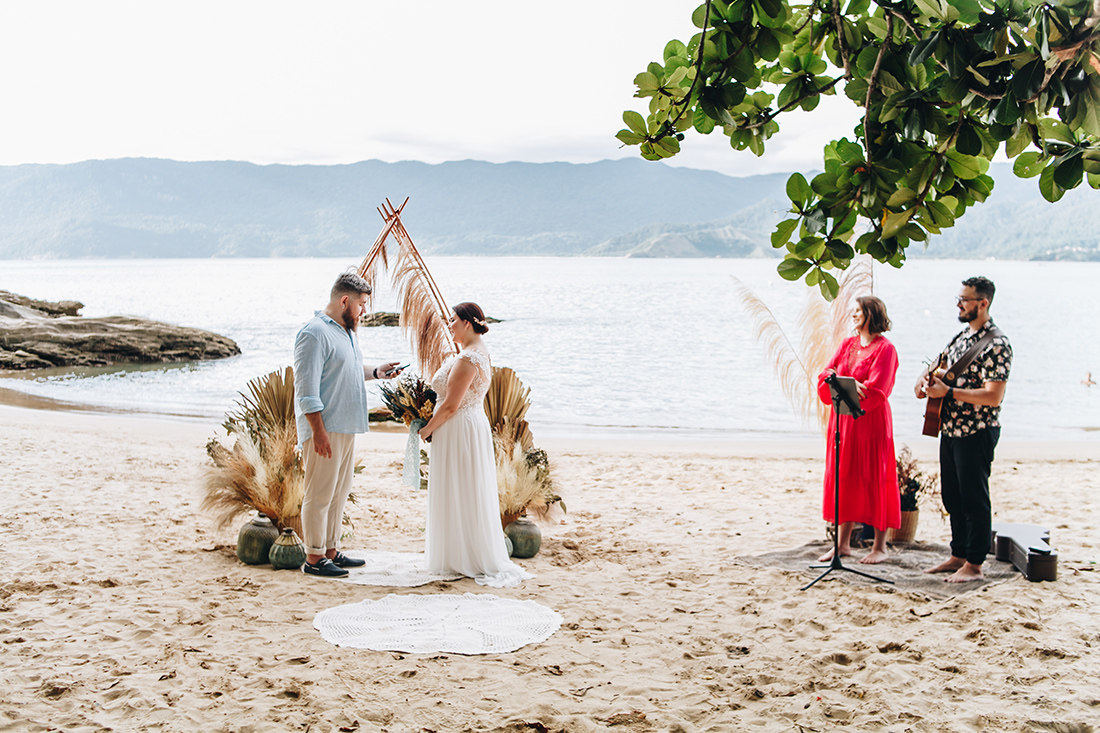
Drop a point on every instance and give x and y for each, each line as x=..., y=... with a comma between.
x=392, y=570
x=423, y=624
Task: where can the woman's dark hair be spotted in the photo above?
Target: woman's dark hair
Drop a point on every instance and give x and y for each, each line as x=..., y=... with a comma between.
x=471, y=313
x=874, y=314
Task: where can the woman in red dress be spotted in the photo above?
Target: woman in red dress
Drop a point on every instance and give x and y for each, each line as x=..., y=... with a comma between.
x=868, y=468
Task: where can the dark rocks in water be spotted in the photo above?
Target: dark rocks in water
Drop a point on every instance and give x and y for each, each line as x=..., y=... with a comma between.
x=38, y=335
x=381, y=414
x=382, y=318
x=48, y=307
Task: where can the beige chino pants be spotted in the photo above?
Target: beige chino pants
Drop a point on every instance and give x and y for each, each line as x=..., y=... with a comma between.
x=327, y=485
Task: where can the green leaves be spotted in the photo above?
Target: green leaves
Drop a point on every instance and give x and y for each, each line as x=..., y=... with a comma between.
x=937, y=92
x=1028, y=81
x=799, y=191
x=793, y=268
x=1029, y=165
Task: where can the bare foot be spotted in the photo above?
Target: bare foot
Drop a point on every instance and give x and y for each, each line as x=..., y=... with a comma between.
x=874, y=557
x=828, y=556
x=948, y=565
x=968, y=573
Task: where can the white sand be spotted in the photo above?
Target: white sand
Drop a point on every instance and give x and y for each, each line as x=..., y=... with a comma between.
x=121, y=608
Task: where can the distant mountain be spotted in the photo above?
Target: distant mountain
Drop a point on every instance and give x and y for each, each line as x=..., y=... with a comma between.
x=1016, y=222
x=163, y=208
x=138, y=208
x=745, y=234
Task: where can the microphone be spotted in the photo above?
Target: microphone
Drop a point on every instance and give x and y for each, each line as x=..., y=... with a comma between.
x=838, y=391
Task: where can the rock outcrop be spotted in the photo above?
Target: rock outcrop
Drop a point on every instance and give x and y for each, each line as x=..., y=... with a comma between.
x=39, y=334
x=383, y=318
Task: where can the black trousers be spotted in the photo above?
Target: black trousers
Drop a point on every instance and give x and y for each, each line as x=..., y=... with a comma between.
x=964, y=486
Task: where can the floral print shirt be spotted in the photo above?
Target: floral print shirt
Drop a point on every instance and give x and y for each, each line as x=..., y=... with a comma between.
x=960, y=419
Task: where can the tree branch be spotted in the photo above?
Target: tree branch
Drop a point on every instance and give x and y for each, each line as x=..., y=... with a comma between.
x=769, y=116
x=840, y=39
x=669, y=126
x=871, y=81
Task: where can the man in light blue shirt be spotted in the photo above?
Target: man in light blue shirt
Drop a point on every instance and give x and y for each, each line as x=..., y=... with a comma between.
x=330, y=407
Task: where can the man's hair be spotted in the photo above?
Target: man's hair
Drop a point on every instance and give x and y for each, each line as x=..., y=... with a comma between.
x=983, y=286
x=349, y=284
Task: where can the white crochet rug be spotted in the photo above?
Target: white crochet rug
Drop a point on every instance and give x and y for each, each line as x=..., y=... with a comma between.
x=425, y=624
x=392, y=570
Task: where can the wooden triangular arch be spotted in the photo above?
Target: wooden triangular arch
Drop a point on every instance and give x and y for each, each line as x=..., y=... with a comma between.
x=424, y=312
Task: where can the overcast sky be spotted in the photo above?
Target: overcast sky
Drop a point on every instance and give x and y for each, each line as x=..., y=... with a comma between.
x=337, y=82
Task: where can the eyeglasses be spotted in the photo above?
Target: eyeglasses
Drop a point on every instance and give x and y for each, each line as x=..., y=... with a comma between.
x=960, y=301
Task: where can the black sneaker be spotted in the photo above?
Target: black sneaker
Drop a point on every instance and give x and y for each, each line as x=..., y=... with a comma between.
x=324, y=567
x=343, y=561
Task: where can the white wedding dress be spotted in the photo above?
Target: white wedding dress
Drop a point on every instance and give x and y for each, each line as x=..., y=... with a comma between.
x=463, y=529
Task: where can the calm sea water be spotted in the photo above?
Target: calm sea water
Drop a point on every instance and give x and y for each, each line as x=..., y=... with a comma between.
x=608, y=346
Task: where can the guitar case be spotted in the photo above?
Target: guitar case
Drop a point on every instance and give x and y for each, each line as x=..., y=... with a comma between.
x=1027, y=546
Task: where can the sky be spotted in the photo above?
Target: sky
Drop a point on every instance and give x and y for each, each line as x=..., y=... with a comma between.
x=334, y=82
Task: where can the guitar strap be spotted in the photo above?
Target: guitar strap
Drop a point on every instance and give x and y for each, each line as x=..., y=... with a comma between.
x=970, y=355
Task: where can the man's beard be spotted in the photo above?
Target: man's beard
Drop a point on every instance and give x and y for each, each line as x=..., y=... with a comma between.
x=350, y=323
x=968, y=316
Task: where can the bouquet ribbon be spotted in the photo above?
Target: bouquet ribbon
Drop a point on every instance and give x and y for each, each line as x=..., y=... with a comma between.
x=410, y=472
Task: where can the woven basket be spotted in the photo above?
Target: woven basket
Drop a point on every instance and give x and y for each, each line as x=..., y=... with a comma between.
x=904, y=534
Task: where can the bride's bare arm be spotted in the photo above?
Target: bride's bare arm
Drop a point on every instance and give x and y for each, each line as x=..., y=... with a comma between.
x=458, y=381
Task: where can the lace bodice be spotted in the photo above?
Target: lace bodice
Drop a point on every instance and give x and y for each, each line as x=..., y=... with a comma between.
x=475, y=395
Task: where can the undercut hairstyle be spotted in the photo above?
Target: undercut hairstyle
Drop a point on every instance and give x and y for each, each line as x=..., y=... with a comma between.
x=874, y=314
x=983, y=286
x=349, y=284
x=471, y=313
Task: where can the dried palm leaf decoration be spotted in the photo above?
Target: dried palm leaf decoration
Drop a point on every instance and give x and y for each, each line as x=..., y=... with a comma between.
x=822, y=325
x=262, y=470
x=506, y=405
x=424, y=313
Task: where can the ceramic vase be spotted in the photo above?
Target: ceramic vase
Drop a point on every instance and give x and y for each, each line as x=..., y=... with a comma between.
x=287, y=552
x=255, y=539
x=904, y=534
x=526, y=537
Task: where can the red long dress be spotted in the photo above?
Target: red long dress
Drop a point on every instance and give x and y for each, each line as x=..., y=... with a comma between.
x=868, y=468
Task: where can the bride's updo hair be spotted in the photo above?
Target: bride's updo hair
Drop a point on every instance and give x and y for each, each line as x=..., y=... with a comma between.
x=471, y=313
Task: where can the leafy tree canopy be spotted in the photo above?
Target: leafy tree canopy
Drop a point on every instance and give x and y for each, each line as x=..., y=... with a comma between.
x=943, y=85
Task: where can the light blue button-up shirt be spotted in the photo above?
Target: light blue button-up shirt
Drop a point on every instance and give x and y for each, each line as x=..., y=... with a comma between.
x=328, y=378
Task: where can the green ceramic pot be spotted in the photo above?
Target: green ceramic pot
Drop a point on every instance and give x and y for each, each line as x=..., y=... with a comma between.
x=288, y=552
x=526, y=537
x=255, y=539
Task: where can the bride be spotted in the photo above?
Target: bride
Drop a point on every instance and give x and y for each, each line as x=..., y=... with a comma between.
x=463, y=528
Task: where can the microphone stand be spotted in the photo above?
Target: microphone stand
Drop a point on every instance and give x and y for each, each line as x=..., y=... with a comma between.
x=848, y=404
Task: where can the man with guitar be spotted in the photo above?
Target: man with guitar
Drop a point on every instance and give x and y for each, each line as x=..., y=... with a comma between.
x=970, y=379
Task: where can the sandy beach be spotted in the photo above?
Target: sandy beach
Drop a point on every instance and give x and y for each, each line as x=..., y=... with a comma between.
x=121, y=608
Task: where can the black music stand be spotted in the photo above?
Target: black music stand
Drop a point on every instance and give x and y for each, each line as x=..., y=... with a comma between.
x=845, y=402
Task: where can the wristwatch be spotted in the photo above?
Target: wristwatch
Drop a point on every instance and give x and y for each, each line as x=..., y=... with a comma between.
x=950, y=393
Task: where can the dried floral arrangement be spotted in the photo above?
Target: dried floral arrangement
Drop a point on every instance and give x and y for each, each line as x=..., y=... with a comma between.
x=913, y=483
x=409, y=398
x=524, y=483
x=263, y=470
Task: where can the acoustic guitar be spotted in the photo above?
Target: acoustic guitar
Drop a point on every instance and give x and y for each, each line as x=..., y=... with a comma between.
x=934, y=405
